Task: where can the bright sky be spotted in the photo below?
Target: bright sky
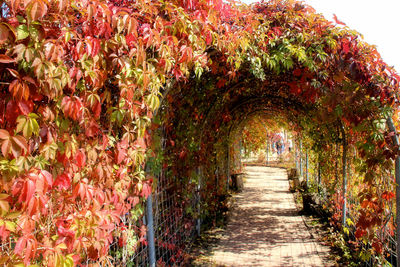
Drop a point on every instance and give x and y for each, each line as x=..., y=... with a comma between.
x=377, y=21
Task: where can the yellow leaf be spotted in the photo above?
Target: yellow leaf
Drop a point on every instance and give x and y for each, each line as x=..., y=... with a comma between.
x=12, y=215
x=10, y=226
x=4, y=206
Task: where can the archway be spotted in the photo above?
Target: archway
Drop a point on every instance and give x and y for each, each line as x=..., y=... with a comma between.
x=77, y=119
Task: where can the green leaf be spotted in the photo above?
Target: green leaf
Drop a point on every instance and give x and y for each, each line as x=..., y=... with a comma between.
x=28, y=125
x=22, y=32
x=10, y=226
x=13, y=215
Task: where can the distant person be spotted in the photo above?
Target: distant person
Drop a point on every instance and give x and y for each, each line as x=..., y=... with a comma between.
x=290, y=144
x=278, y=147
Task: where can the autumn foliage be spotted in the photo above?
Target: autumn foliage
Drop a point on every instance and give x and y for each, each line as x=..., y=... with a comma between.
x=81, y=80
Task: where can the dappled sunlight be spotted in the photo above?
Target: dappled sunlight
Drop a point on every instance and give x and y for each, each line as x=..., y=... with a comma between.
x=265, y=229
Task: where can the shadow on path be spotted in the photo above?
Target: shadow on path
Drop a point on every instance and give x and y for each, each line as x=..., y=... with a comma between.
x=264, y=228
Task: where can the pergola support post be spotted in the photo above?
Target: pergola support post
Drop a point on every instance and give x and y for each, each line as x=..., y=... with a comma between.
x=395, y=140
x=300, y=160
x=319, y=175
x=306, y=167
x=344, y=186
x=150, y=230
x=228, y=171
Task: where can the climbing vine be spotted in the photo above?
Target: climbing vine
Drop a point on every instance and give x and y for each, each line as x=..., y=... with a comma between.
x=80, y=82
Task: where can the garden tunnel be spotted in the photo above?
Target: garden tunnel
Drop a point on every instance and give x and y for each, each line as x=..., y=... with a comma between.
x=108, y=107
x=201, y=127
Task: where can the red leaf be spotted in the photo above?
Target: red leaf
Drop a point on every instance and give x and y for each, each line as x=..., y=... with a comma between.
x=338, y=21
x=14, y=73
x=80, y=158
x=5, y=147
x=12, y=112
x=62, y=230
x=26, y=247
x=63, y=181
x=93, y=46
x=6, y=59
x=387, y=195
x=20, y=146
x=30, y=189
x=143, y=232
x=121, y=155
x=360, y=233
x=105, y=141
x=140, y=142
x=208, y=38
x=16, y=145
x=25, y=107
x=277, y=30
x=72, y=107
x=294, y=88
x=377, y=246
x=4, y=234
x=97, y=110
x=44, y=181
x=146, y=188
x=20, y=245
x=36, y=9
x=346, y=46
x=297, y=72
x=221, y=83
x=92, y=129
x=4, y=134
x=121, y=151
x=32, y=207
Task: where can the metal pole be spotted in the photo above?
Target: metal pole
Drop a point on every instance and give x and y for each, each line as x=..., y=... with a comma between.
x=395, y=140
x=267, y=151
x=307, y=167
x=344, y=186
x=300, y=161
x=228, y=171
x=198, y=224
x=150, y=230
x=319, y=174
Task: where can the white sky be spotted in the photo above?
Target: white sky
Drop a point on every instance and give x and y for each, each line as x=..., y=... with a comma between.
x=377, y=21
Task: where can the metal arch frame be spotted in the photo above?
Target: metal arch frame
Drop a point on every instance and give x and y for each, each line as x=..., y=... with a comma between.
x=395, y=140
x=235, y=125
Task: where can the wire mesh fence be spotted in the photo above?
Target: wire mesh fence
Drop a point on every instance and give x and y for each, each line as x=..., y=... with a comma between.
x=177, y=218
x=334, y=199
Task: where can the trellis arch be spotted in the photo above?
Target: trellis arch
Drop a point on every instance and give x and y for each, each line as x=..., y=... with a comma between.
x=80, y=84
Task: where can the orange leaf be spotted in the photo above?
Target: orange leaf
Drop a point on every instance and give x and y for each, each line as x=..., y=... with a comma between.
x=20, y=146
x=4, y=32
x=36, y=9
x=4, y=134
x=19, y=90
x=16, y=145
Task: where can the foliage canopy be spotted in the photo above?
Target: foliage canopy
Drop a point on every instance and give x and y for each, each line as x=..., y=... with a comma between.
x=80, y=82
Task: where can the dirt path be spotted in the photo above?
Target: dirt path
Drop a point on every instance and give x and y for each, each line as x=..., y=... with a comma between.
x=264, y=228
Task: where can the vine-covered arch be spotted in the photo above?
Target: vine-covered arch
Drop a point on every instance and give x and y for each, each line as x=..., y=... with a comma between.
x=81, y=81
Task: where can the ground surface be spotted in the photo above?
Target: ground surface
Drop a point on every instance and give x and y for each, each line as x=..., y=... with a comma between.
x=265, y=229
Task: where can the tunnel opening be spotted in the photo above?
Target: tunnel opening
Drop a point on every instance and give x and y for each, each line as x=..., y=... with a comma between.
x=202, y=127
x=107, y=107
